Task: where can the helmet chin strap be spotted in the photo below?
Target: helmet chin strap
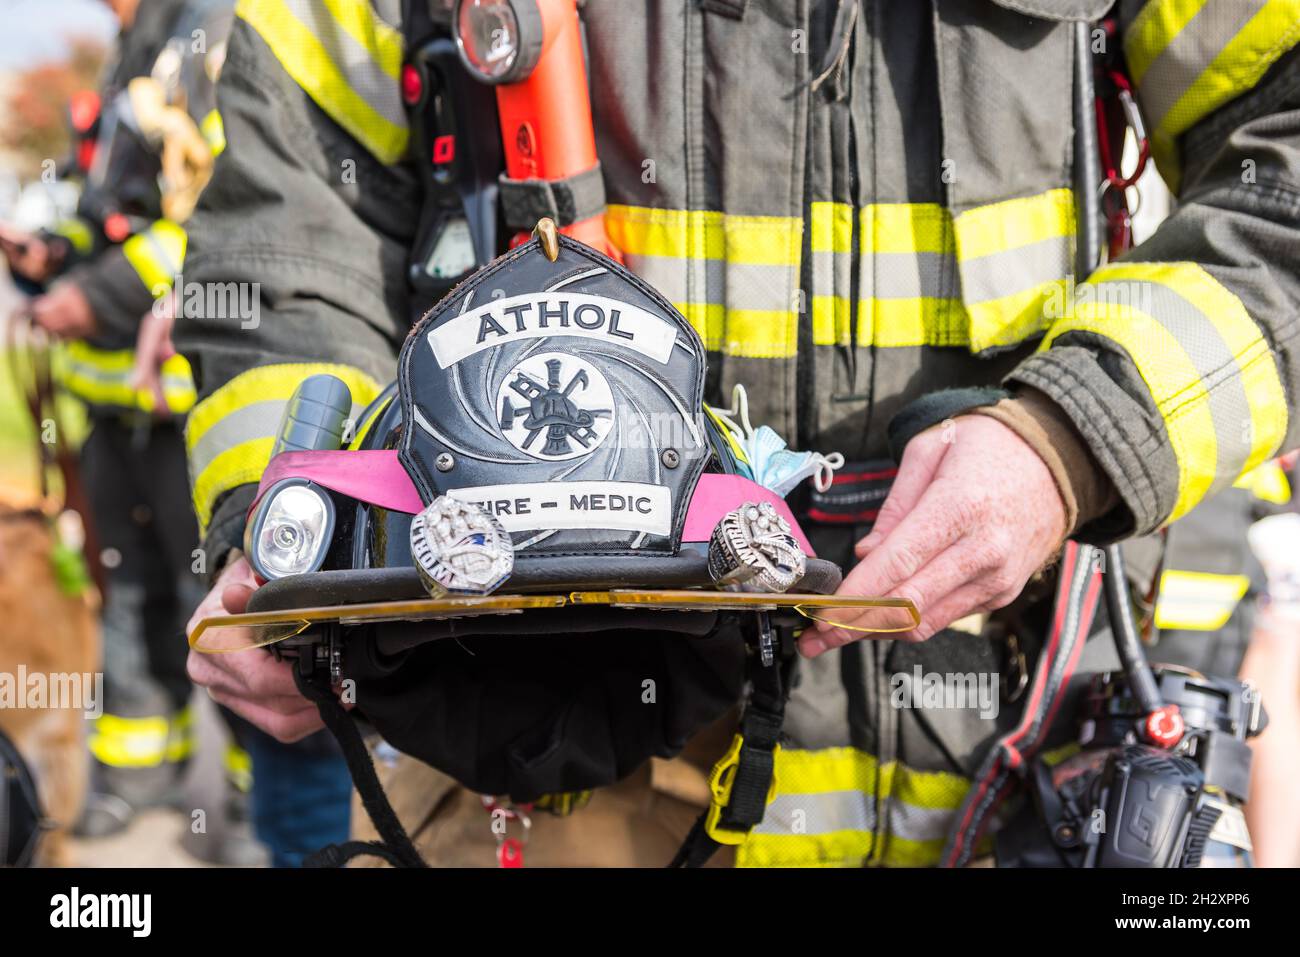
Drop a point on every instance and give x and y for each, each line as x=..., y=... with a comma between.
x=394, y=844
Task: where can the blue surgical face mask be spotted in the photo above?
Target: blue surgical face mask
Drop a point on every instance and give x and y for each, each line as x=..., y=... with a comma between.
x=771, y=462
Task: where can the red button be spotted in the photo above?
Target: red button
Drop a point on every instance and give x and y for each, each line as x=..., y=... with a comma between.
x=1165, y=726
x=117, y=227
x=444, y=149
x=412, y=85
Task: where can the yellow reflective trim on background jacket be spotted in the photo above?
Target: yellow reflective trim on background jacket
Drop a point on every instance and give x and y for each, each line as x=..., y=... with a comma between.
x=1209, y=369
x=1197, y=601
x=839, y=807
x=76, y=232
x=1190, y=57
x=348, y=61
x=229, y=435
x=157, y=255
x=978, y=280
x=214, y=131
x=103, y=377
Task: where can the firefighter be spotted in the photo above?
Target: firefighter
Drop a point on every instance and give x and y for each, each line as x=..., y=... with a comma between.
x=867, y=211
x=144, y=160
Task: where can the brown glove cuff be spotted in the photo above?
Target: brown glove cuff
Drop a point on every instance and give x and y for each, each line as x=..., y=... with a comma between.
x=1086, y=491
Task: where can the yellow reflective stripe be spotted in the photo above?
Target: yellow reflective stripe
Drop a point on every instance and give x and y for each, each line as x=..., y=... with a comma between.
x=906, y=228
x=1267, y=482
x=103, y=377
x=214, y=131
x=913, y=261
x=157, y=255
x=1243, y=339
x=180, y=736
x=1013, y=223
x=1193, y=81
x=375, y=117
x=77, y=233
x=674, y=233
x=1013, y=257
x=383, y=42
x=1174, y=382
x=1197, y=601
x=826, y=812
x=831, y=242
x=1149, y=34
x=238, y=765
x=227, y=449
x=129, y=742
x=1168, y=363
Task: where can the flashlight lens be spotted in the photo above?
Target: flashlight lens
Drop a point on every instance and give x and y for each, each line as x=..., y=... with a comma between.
x=489, y=34
x=293, y=535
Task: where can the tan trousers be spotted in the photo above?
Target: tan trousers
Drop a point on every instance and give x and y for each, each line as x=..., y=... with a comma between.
x=639, y=822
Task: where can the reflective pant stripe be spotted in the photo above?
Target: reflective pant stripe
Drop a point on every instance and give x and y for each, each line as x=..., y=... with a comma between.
x=978, y=281
x=828, y=812
x=346, y=59
x=1210, y=371
x=238, y=765
x=229, y=435
x=1189, y=58
x=103, y=377
x=1197, y=601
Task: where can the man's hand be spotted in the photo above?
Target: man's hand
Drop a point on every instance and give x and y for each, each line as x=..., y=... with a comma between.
x=153, y=347
x=28, y=255
x=64, y=312
x=250, y=683
x=973, y=513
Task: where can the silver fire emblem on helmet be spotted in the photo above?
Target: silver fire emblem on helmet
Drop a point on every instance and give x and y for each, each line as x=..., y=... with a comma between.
x=554, y=406
x=752, y=547
x=460, y=549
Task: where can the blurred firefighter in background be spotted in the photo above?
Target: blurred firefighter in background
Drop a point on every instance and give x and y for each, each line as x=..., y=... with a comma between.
x=144, y=147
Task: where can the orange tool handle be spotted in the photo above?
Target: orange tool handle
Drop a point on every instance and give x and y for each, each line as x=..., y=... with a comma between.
x=546, y=126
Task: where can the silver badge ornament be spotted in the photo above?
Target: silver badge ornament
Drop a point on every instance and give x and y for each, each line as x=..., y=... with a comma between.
x=752, y=547
x=460, y=549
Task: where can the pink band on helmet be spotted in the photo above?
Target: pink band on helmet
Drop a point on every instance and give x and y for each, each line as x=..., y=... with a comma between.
x=368, y=475
x=377, y=477
x=717, y=494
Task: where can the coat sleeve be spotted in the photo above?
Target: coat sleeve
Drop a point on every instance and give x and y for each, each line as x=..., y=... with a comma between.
x=298, y=245
x=1179, y=363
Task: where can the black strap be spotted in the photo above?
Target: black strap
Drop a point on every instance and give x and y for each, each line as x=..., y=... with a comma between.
x=567, y=201
x=760, y=731
x=338, y=855
x=394, y=844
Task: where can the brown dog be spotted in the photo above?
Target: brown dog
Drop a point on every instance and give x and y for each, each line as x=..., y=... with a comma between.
x=44, y=633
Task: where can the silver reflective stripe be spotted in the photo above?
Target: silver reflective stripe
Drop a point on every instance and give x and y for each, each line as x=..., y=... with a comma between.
x=1015, y=270
x=1190, y=53
x=256, y=421
x=162, y=255
x=365, y=76
x=1217, y=367
x=830, y=811
x=715, y=281
x=908, y=276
